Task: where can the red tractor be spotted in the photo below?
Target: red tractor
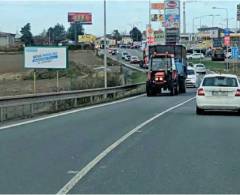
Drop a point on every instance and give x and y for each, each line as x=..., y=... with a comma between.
x=166, y=71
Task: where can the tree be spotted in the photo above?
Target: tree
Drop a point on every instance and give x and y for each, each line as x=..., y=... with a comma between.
x=116, y=35
x=56, y=33
x=71, y=31
x=27, y=37
x=136, y=34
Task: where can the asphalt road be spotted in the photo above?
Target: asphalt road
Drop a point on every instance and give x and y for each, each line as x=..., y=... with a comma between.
x=178, y=152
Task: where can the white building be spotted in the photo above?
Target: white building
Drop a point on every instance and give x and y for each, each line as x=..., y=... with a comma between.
x=126, y=39
x=7, y=39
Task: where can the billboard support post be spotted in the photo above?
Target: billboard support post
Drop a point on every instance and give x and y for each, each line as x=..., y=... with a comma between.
x=75, y=32
x=34, y=81
x=57, y=80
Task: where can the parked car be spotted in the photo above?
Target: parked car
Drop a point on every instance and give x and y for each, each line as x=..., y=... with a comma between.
x=200, y=68
x=127, y=57
x=124, y=54
x=110, y=50
x=218, y=92
x=195, y=56
x=114, y=51
x=191, y=80
x=134, y=60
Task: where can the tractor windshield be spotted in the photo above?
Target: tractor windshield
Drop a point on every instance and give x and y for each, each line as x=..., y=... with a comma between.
x=161, y=63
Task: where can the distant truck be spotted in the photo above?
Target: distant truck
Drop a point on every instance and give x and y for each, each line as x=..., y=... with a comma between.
x=167, y=69
x=218, y=54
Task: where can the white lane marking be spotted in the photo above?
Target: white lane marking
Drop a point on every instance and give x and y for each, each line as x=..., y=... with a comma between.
x=67, y=112
x=95, y=161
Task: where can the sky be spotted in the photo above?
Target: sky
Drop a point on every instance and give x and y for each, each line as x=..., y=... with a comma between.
x=121, y=15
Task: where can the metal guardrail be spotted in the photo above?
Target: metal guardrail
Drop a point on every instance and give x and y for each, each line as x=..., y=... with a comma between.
x=11, y=105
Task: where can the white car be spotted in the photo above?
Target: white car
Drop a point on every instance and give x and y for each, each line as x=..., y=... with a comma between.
x=218, y=92
x=124, y=54
x=200, y=68
x=191, y=80
x=195, y=56
x=127, y=57
x=134, y=60
x=228, y=55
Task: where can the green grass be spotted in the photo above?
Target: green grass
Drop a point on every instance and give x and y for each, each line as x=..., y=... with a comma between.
x=138, y=77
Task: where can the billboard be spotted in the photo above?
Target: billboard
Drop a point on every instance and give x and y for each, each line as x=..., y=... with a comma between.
x=157, y=17
x=84, y=18
x=86, y=38
x=45, y=57
x=158, y=6
x=172, y=21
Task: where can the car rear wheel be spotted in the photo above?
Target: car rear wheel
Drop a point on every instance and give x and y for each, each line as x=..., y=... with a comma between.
x=199, y=111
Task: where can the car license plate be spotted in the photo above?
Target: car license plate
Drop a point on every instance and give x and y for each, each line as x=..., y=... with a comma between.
x=220, y=93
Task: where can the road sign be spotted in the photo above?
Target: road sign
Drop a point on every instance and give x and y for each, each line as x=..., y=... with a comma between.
x=235, y=52
x=227, y=40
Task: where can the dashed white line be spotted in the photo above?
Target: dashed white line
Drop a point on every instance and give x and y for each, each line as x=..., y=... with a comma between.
x=102, y=155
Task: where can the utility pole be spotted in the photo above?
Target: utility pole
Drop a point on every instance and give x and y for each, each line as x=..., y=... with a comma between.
x=105, y=46
x=184, y=17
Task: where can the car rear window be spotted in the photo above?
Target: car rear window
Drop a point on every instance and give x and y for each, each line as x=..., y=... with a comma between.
x=200, y=66
x=190, y=72
x=220, y=82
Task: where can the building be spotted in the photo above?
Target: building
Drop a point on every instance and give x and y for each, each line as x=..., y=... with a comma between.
x=99, y=42
x=7, y=39
x=208, y=33
x=126, y=39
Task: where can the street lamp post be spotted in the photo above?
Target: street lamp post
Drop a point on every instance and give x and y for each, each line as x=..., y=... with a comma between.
x=213, y=17
x=105, y=46
x=225, y=10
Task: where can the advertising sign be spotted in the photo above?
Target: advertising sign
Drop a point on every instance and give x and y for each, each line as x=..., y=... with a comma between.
x=227, y=40
x=84, y=18
x=172, y=11
x=172, y=4
x=157, y=17
x=86, y=38
x=159, y=36
x=235, y=52
x=150, y=35
x=172, y=21
x=45, y=57
x=172, y=18
x=158, y=6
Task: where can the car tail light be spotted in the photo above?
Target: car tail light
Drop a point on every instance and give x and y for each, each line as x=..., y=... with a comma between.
x=201, y=92
x=237, y=93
